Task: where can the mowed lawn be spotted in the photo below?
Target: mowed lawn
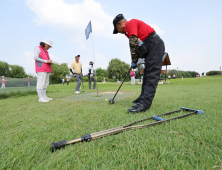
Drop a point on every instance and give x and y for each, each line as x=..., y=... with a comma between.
x=27, y=129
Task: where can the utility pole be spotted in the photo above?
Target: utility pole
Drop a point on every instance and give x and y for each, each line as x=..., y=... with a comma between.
x=220, y=70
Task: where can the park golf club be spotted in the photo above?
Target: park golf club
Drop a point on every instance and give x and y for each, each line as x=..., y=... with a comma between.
x=96, y=135
x=82, y=84
x=112, y=100
x=52, y=85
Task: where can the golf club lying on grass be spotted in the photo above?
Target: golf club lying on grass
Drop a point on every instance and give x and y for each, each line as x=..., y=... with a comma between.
x=112, y=100
x=53, y=86
x=82, y=85
x=96, y=135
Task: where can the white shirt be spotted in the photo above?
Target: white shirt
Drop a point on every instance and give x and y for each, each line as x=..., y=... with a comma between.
x=90, y=67
x=37, y=51
x=63, y=80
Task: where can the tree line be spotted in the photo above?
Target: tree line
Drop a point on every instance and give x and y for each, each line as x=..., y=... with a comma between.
x=116, y=69
x=13, y=71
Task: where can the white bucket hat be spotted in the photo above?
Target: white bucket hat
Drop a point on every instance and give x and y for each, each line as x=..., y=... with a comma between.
x=2, y=76
x=47, y=41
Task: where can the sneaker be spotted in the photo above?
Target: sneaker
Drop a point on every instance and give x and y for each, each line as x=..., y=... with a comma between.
x=48, y=98
x=139, y=107
x=77, y=92
x=43, y=100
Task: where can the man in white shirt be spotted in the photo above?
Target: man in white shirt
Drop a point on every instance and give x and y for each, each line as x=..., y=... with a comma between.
x=90, y=75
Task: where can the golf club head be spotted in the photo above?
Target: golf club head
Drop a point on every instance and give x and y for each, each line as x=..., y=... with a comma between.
x=58, y=145
x=111, y=101
x=53, y=146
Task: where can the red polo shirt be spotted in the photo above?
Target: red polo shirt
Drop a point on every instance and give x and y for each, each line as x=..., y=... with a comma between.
x=138, y=28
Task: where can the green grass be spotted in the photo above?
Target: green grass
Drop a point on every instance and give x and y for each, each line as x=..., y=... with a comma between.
x=8, y=90
x=27, y=129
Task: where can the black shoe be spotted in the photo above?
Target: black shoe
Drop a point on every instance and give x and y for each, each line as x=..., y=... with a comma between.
x=137, y=100
x=137, y=108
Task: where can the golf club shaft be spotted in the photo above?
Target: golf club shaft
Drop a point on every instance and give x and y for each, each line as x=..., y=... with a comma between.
x=159, y=122
x=168, y=113
x=122, y=83
x=112, y=131
x=54, y=87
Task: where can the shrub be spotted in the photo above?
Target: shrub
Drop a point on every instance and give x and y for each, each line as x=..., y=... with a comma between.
x=210, y=73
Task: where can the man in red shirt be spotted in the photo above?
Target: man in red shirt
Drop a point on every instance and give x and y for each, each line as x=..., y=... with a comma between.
x=144, y=43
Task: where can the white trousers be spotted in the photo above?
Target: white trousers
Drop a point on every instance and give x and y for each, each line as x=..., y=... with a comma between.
x=3, y=86
x=42, y=80
x=133, y=80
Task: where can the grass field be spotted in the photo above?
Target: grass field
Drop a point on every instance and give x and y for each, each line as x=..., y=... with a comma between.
x=16, y=89
x=27, y=129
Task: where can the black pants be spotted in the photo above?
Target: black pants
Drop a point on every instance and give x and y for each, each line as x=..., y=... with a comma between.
x=152, y=70
x=92, y=78
x=67, y=82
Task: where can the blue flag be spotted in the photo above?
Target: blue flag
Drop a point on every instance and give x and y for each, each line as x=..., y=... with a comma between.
x=88, y=30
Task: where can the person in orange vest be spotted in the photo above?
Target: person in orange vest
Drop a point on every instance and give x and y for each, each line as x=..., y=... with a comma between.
x=67, y=79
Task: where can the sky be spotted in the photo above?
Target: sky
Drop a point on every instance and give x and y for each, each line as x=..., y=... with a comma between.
x=191, y=31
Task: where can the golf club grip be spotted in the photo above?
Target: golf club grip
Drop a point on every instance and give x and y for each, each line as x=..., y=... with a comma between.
x=157, y=118
x=194, y=110
x=122, y=83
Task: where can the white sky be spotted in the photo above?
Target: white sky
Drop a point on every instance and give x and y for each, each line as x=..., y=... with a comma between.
x=191, y=31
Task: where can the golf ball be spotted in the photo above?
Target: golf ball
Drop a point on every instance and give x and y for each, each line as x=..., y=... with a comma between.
x=106, y=100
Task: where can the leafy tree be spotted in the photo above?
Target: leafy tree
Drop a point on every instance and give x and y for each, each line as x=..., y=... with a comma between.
x=186, y=74
x=4, y=69
x=16, y=71
x=58, y=72
x=101, y=72
x=193, y=73
x=117, y=68
x=176, y=72
x=210, y=73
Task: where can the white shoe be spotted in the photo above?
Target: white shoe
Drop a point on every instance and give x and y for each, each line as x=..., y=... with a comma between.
x=48, y=98
x=43, y=100
x=77, y=92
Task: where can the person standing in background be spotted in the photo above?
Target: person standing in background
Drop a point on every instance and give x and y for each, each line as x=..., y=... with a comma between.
x=132, y=77
x=104, y=80
x=3, y=82
x=67, y=79
x=63, y=81
x=91, y=75
x=43, y=68
x=27, y=81
x=77, y=67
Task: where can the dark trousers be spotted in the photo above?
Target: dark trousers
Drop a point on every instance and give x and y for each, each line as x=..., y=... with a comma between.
x=67, y=82
x=152, y=70
x=92, y=78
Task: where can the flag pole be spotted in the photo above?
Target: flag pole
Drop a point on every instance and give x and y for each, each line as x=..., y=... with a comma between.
x=94, y=64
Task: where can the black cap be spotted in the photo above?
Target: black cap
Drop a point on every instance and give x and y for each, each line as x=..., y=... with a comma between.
x=118, y=18
x=78, y=56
